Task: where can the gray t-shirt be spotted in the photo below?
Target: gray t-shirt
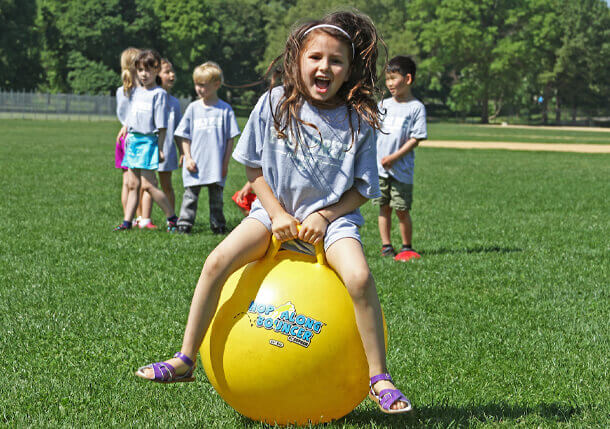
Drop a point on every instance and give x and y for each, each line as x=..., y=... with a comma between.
x=122, y=104
x=169, y=146
x=312, y=174
x=401, y=121
x=147, y=110
x=208, y=128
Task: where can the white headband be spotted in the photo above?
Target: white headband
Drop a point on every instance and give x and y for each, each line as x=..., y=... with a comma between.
x=336, y=28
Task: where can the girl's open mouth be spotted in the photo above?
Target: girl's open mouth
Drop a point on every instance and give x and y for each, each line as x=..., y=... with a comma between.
x=322, y=85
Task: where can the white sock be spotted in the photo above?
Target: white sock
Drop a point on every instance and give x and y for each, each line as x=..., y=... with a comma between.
x=143, y=222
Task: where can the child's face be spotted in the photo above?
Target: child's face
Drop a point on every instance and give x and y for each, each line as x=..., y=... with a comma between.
x=147, y=75
x=398, y=85
x=167, y=75
x=206, y=90
x=324, y=66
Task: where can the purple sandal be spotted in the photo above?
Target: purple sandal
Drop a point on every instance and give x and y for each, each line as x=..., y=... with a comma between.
x=166, y=373
x=387, y=397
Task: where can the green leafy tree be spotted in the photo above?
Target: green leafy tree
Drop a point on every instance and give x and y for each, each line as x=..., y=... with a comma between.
x=473, y=43
x=19, y=54
x=85, y=37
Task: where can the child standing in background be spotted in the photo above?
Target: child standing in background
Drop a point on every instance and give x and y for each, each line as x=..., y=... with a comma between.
x=309, y=153
x=207, y=129
x=403, y=126
x=123, y=98
x=146, y=124
x=172, y=158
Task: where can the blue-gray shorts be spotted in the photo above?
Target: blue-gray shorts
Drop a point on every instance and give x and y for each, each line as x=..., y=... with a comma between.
x=338, y=229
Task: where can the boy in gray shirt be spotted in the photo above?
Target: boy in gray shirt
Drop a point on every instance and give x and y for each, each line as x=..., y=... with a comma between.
x=207, y=129
x=403, y=127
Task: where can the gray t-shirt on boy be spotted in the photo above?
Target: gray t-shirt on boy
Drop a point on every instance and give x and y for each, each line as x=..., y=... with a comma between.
x=147, y=110
x=122, y=104
x=169, y=146
x=310, y=174
x=401, y=121
x=208, y=128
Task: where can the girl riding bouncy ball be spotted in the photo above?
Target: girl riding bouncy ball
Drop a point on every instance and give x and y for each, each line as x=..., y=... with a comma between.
x=146, y=124
x=309, y=152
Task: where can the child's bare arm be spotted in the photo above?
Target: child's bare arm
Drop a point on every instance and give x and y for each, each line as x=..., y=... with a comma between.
x=160, y=142
x=227, y=157
x=122, y=132
x=189, y=162
x=389, y=160
x=314, y=226
x=178, y=143
x=283, y=225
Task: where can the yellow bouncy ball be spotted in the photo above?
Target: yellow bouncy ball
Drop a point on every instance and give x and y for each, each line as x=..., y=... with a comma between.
x=283, y=347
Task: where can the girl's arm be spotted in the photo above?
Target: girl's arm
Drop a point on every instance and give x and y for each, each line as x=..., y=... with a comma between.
x=227, y=157
x=189, y=162
x=160, y=142
x=314, y=226
x=283, y=225
x=122, y=132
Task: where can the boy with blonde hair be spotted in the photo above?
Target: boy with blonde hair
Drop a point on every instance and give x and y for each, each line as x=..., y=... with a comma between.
x=403, y=127
x=207, y=130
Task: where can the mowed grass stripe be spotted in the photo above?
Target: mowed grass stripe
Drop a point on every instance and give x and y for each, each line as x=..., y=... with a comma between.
x=502, y=322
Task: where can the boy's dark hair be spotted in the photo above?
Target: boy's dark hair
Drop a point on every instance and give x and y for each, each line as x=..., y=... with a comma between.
x=402, y=64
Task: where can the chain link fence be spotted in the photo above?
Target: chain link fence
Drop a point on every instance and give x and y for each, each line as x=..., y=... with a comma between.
x=35, y=105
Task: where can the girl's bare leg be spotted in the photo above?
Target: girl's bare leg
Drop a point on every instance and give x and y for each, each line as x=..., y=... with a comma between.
x=124, y=190
x=246, y=243
x=165, y=177
x=347, y=258
x=149, y=183
x=145, y=207
x=133, y=193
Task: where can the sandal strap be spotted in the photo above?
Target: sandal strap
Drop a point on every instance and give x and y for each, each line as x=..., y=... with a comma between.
x=184, y=358
x=163, y=371
x=379, y=377
x=388, y=397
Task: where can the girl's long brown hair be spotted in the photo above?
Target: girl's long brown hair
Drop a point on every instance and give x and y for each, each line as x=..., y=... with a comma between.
x=358, y=93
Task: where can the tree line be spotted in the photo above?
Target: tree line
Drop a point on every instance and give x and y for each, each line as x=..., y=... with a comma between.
x=483, y=57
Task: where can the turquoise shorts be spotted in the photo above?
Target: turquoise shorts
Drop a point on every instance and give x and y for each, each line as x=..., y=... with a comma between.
x=141, y=151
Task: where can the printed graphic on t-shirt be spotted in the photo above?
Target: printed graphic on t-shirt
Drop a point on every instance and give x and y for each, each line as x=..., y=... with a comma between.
x=393, y=123
x=141, y=106
x=207, y=123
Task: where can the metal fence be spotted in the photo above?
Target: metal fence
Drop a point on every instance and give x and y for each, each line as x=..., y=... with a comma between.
x=61, y=106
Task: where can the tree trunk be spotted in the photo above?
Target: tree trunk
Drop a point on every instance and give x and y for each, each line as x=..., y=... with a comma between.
x=485, y=108
x=557, y=109
x=545, y=104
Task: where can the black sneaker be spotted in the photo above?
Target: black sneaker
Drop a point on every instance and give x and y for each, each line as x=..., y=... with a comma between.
x=172, y=225
x=184, y=229
x=388, y=251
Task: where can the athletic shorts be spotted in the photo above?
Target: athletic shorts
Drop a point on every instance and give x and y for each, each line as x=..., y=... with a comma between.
x=396, y=194
x=337, y=229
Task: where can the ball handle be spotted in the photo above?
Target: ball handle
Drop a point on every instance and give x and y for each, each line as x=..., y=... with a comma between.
x=275, y=244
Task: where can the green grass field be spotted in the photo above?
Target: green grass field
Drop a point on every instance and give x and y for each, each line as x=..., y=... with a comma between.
x=503, y=322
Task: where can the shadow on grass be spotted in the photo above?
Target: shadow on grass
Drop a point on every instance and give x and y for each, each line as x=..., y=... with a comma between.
x=444, y=415
x=476, y=249
x=447, y=416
